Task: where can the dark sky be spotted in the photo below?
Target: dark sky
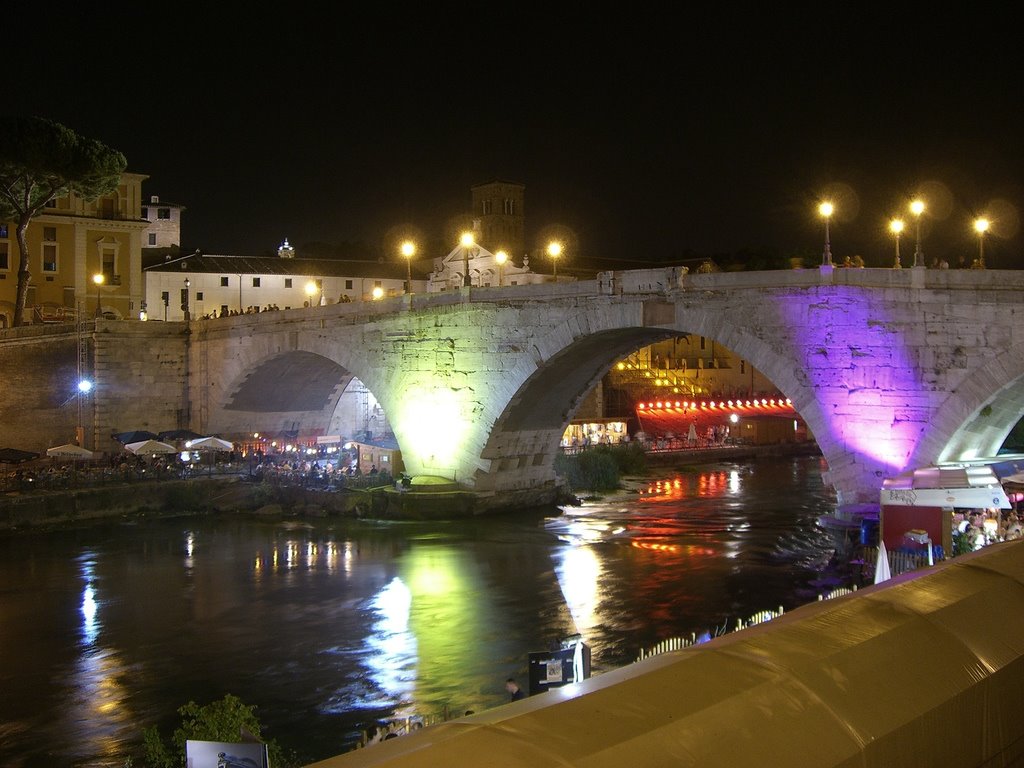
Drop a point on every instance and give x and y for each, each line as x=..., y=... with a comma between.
x=652, y=135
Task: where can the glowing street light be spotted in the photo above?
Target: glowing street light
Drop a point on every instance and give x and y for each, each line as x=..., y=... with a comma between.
x=917, y=208
x=826, y=209
x=468, y=244
x=99, y=279
x=408, y=251
x=896, y=227
x=554, y=251
x=378, y=292
x=981, y=226
x=500, y=257
x=312, y=289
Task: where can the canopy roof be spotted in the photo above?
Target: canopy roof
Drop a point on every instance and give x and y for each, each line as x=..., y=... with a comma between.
x=923, y=669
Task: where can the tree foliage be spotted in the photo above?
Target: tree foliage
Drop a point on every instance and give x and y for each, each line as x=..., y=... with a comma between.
x=225, y=720
x=39, y=161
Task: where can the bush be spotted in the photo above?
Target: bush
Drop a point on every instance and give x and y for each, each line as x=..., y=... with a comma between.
x=601, y=467
x=225, y=720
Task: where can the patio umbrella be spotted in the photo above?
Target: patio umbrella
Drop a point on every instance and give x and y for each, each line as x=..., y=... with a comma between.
x=150, y=446
x=16, y=456
x=210, y=444
x=136, y=436
x=882, y=570
x=69, y=451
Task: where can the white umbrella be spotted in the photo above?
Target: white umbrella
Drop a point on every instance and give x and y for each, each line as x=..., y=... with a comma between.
x=150, y=446
x=882, y=571
x=69, y=451
x=210, y=444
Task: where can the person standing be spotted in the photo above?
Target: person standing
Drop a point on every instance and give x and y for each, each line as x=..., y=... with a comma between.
x=514, y=691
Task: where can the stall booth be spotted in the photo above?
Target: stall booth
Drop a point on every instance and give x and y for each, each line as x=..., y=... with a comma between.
x=917, y=507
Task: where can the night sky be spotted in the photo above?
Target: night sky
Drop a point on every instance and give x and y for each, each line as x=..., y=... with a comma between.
x=653, y=136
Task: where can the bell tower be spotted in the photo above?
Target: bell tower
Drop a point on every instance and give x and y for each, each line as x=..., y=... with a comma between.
x=500, y=209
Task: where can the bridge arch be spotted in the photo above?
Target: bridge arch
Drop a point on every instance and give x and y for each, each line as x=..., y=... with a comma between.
x=976, y=419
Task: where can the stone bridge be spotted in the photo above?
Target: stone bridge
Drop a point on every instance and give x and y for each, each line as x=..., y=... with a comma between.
x=889, y=368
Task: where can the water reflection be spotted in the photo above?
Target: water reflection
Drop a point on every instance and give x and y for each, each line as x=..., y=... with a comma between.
x=330, y=628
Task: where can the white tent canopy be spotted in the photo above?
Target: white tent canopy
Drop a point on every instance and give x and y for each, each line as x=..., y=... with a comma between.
x=210, y=444
x=69, y=451
x=150, y=446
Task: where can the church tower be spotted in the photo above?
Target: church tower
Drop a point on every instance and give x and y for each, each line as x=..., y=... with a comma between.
x=499, y=216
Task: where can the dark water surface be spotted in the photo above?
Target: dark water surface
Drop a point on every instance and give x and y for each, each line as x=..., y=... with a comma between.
x=331, y=626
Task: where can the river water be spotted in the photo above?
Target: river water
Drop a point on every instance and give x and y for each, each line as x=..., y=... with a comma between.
x=330, y=627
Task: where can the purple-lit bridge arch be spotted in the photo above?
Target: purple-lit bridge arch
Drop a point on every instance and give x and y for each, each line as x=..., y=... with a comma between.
x=889, y=368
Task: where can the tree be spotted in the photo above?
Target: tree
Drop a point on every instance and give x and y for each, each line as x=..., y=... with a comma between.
x=226, y=720
x=39, y=161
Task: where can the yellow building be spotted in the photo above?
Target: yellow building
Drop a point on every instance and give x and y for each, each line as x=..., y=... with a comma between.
x=72, y=242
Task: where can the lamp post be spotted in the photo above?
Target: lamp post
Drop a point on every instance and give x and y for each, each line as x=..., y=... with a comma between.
x=896, y=227
x=184, y=300
x=917, y=208
x=981, y=225
x=311, y=291
x=554, y=251
x=98, y=278
x=500, y=257
x=408, y=251
x=468, y=243
x=826, y=209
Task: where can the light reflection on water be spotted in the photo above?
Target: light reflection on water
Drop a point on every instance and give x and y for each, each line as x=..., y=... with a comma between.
x=331, y=627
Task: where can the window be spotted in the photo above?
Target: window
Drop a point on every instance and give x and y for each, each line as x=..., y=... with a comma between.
x=152, y=238
x=199, y=295
x=743, y=367
x=223, y=282
x=166, y=297
x=49, y=234
x=51, y=203
x=486, y=207
x=5, y=256
x=255, y=282
x=49, y=257
x=109, y=265
x=145, y=213
x=702, y=342
x=3, y=230
x=287, y=282
x=163, y=213
x=510, y=207
x=348, y=285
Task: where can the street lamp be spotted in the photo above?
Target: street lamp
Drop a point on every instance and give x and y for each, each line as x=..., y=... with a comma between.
x=917, y=208
x=311, y=291
x=826, y=209
x=408, y=251
x=896, y=227
x=98, y=278
x=467, y=244
x=981, y=227
x=554, y=251
x=377, y=293
x=184, y=300
x=500, y=257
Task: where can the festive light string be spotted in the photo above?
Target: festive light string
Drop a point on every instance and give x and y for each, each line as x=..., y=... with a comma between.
x=719, y=405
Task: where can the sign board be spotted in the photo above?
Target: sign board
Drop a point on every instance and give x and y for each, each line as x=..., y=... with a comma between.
x=969, y=498
x=220, y=754
x=554, y=669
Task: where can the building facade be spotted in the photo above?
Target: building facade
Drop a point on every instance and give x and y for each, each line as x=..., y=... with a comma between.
x=85, y=258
